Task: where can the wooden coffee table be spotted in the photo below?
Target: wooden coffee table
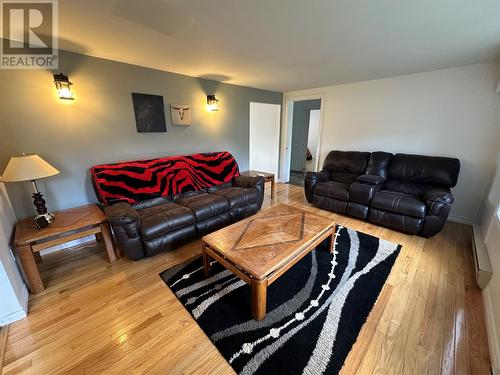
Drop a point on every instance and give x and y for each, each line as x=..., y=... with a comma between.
x=263, y=247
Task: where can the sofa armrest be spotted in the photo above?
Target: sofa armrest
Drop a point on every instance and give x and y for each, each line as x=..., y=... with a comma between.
x=370, y=179
x=438, y=204
x=256, y=182
x=126, y=224
x=438, y=201
x=122, y=214
x=438, y=195
x=310, y=181
x=248, y=182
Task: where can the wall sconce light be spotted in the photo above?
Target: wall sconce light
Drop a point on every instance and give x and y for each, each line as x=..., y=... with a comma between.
x=212, y=103
x=63, y=86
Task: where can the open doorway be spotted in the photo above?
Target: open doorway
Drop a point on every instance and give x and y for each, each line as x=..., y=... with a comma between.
x=313, y=139
x=304, y=130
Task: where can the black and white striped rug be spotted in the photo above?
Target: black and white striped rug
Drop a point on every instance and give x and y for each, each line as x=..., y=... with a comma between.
x=314, y=311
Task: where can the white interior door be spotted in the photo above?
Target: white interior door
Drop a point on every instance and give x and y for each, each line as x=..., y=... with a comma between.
x=264, y=137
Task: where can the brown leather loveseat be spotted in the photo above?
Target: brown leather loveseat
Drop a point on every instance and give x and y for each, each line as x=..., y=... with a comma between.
x=409, y=193
x=156, y=205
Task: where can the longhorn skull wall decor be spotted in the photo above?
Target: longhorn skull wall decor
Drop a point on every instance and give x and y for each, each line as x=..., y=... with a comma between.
x=180, y=114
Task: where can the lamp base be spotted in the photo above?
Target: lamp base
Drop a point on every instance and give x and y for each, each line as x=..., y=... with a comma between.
x=39, y=203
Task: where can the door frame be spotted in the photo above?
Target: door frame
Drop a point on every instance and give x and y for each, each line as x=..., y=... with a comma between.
x=277, y=134
x=287, y=128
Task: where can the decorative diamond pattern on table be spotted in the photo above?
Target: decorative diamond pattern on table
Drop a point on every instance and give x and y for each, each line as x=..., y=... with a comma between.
x=271, y=230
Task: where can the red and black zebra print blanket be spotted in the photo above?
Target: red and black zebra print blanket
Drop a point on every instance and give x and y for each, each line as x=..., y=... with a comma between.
x=134, y=181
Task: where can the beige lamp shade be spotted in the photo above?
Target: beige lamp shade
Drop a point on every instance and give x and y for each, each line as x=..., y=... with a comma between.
x=27, y=167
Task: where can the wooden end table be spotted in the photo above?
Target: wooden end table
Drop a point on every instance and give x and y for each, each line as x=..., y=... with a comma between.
x=268, y=177
x=263, y=247
x=68, y=225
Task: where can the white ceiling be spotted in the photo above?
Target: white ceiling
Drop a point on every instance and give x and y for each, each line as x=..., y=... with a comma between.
x=284, y=45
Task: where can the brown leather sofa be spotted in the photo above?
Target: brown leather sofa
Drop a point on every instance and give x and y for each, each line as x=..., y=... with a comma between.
x=159, y=204
x=409, y=193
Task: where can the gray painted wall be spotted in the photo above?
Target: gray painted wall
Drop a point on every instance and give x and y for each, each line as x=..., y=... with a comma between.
x=300, y=132
x=99, y=126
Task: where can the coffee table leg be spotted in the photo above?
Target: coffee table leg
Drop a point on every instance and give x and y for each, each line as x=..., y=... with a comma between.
x=331, y=241
x=259, y=299
x=206, y=263
x=272, y=188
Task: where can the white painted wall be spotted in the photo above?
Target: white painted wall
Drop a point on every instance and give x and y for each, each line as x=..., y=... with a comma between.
x=13, y=292
x=489, y=225
x=313, y=137
x=448, y=112
x=264, y=137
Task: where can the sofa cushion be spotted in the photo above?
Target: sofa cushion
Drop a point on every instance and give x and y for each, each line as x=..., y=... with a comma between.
x=215, y=188
x=346, y=161
x=345, y=166
x=344, y=177
x=164, y=218
x=151, y=202
x=330, y=204
x=378, y=164
x=333, y=189
x=204, y=205
x=423, y=169
x=238, y=196
x=399, y=222
x=400, y=203
x=406, y=187
x=169, y=241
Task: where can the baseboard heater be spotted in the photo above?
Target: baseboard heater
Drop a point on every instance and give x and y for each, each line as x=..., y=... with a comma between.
x=482, y=265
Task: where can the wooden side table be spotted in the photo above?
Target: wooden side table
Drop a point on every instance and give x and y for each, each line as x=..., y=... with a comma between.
x=68, y=225
x=268, y=177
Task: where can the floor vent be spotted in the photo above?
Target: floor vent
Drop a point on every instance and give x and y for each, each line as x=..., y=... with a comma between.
x=482, y=265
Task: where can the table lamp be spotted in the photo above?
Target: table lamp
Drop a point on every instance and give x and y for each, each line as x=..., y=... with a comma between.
x=29, y=167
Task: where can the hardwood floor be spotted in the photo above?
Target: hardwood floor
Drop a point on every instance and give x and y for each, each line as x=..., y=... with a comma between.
x=3, y=343
x=97, y=317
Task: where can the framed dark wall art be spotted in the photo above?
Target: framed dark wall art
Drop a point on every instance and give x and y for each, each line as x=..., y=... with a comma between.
x=149, y=113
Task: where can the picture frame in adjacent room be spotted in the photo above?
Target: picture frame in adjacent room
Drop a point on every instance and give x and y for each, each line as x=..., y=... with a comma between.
x=149, y=113
x=181, y=114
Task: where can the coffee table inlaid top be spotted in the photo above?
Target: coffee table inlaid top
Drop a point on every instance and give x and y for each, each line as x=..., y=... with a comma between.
x=268, y=240
x=64, y=221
